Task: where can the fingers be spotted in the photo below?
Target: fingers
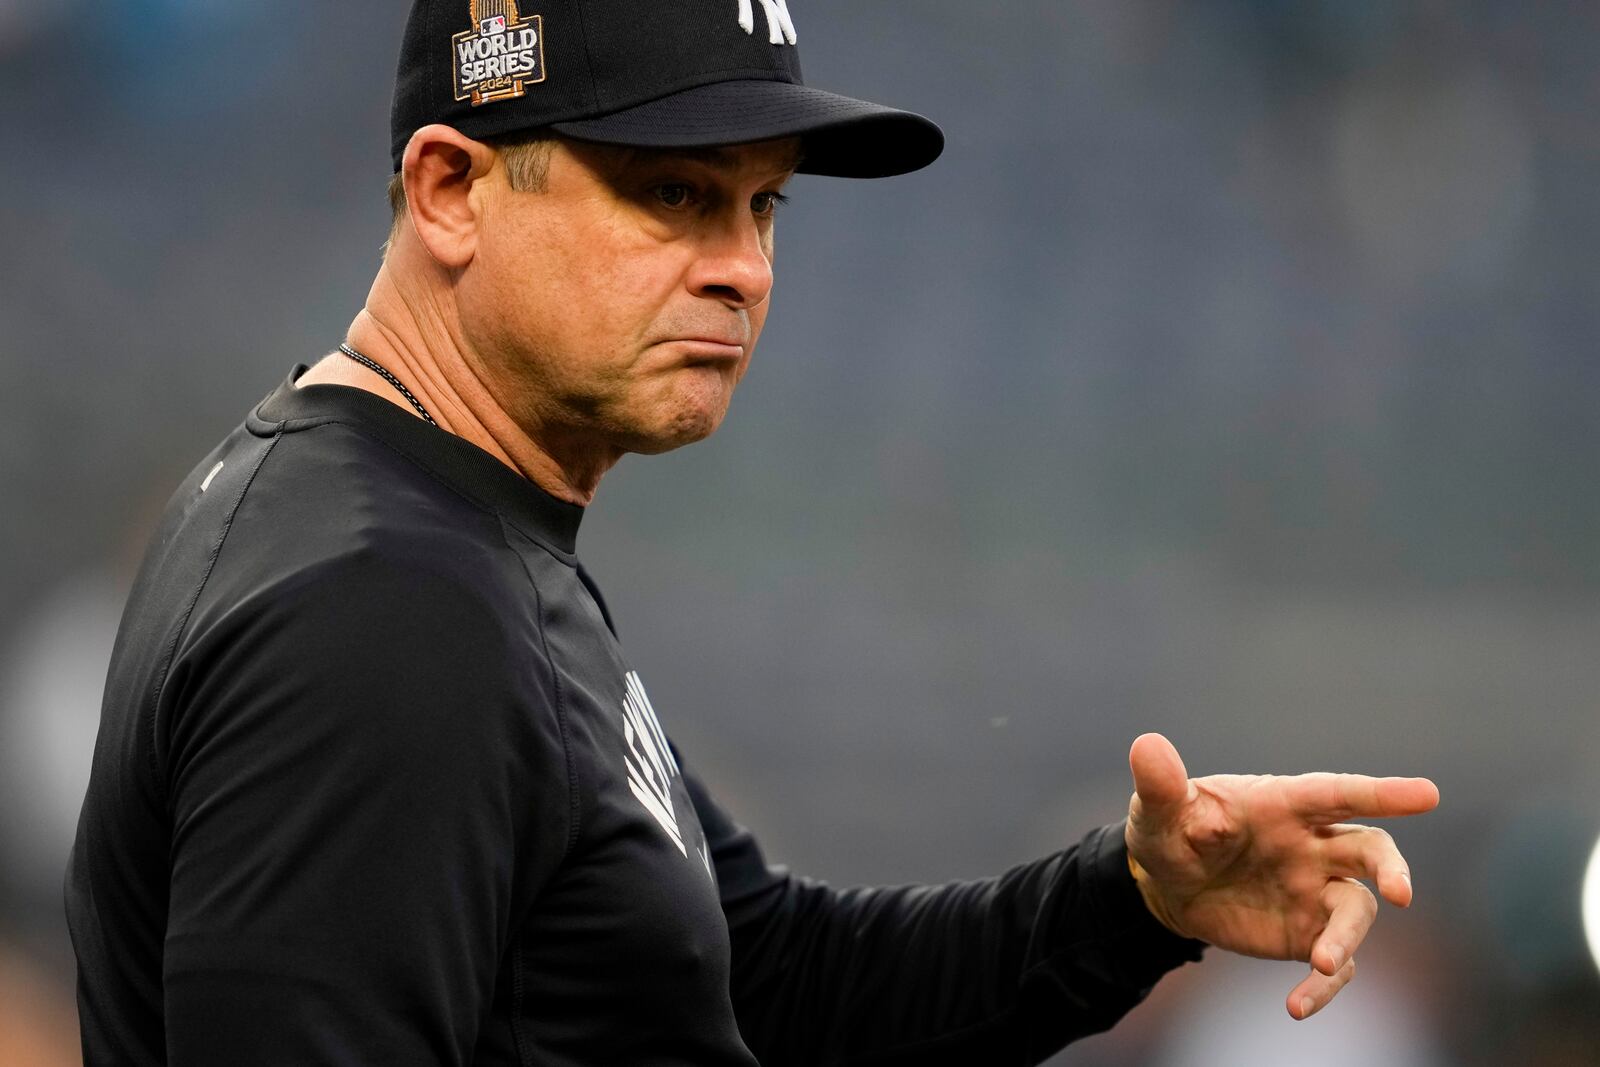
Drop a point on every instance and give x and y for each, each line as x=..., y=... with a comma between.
x=1351, y=911
x=1316, y=989
x=1330, y=798
x=1160, y=782
x=1367, y=852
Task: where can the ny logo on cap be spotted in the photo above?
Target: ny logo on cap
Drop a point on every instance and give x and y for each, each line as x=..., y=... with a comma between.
x=780, y=27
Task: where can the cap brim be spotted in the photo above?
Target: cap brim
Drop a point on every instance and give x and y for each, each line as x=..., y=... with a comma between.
x=841, y=136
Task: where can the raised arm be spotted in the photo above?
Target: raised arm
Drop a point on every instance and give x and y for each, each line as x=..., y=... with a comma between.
x=1006, y=970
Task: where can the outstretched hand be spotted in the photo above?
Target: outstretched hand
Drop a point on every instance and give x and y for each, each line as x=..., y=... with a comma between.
x=1263, y=865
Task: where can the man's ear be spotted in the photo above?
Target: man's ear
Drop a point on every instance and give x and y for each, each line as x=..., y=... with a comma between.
x=439, y=170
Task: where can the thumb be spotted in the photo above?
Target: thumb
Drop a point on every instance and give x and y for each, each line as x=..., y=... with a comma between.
x=1160, y=782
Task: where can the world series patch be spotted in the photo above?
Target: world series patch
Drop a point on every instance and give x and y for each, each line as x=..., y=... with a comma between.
x=501, y=55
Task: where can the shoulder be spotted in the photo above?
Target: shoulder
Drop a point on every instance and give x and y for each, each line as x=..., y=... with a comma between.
x=345, y=561
x=414, y=647
x=339, y=519
x=357, y=613
x=336, y=478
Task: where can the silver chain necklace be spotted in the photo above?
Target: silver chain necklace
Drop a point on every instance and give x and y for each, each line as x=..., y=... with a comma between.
x=367, y=361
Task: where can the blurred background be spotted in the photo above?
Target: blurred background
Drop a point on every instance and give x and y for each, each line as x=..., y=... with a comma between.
x=1234, y=374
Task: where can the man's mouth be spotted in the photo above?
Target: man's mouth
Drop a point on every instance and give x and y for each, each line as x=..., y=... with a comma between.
x=710, y=348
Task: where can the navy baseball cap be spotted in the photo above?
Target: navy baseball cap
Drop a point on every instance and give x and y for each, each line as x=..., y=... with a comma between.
x=646, y=73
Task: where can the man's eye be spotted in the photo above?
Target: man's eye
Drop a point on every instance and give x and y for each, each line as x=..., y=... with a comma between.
x=765, y=204
x=673, y=194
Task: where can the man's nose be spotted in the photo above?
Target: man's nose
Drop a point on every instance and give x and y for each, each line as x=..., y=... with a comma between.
x=733, y=266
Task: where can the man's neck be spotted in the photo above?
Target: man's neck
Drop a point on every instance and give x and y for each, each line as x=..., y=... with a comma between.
x=426, y=356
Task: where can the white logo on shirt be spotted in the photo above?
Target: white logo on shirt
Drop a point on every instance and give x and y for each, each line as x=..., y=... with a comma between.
x=780, y=27
x=651, y=767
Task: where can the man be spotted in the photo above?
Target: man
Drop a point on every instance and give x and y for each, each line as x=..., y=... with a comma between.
x=376, y=782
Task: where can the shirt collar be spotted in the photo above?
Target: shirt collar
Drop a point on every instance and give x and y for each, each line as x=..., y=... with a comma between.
x=455, y=459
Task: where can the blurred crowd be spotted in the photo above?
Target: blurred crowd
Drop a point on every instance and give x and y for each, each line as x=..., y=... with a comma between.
x=1234, y=374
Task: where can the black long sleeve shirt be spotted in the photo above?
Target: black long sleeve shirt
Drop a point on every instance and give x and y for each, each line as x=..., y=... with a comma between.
x=376, y=783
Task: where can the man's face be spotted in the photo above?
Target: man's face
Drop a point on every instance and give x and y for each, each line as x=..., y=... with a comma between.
x=619, y=306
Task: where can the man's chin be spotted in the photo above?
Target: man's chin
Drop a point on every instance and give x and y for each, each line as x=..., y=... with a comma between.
x=687, y=427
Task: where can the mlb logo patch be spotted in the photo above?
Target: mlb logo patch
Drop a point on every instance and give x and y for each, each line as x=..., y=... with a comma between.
x=501, y=55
